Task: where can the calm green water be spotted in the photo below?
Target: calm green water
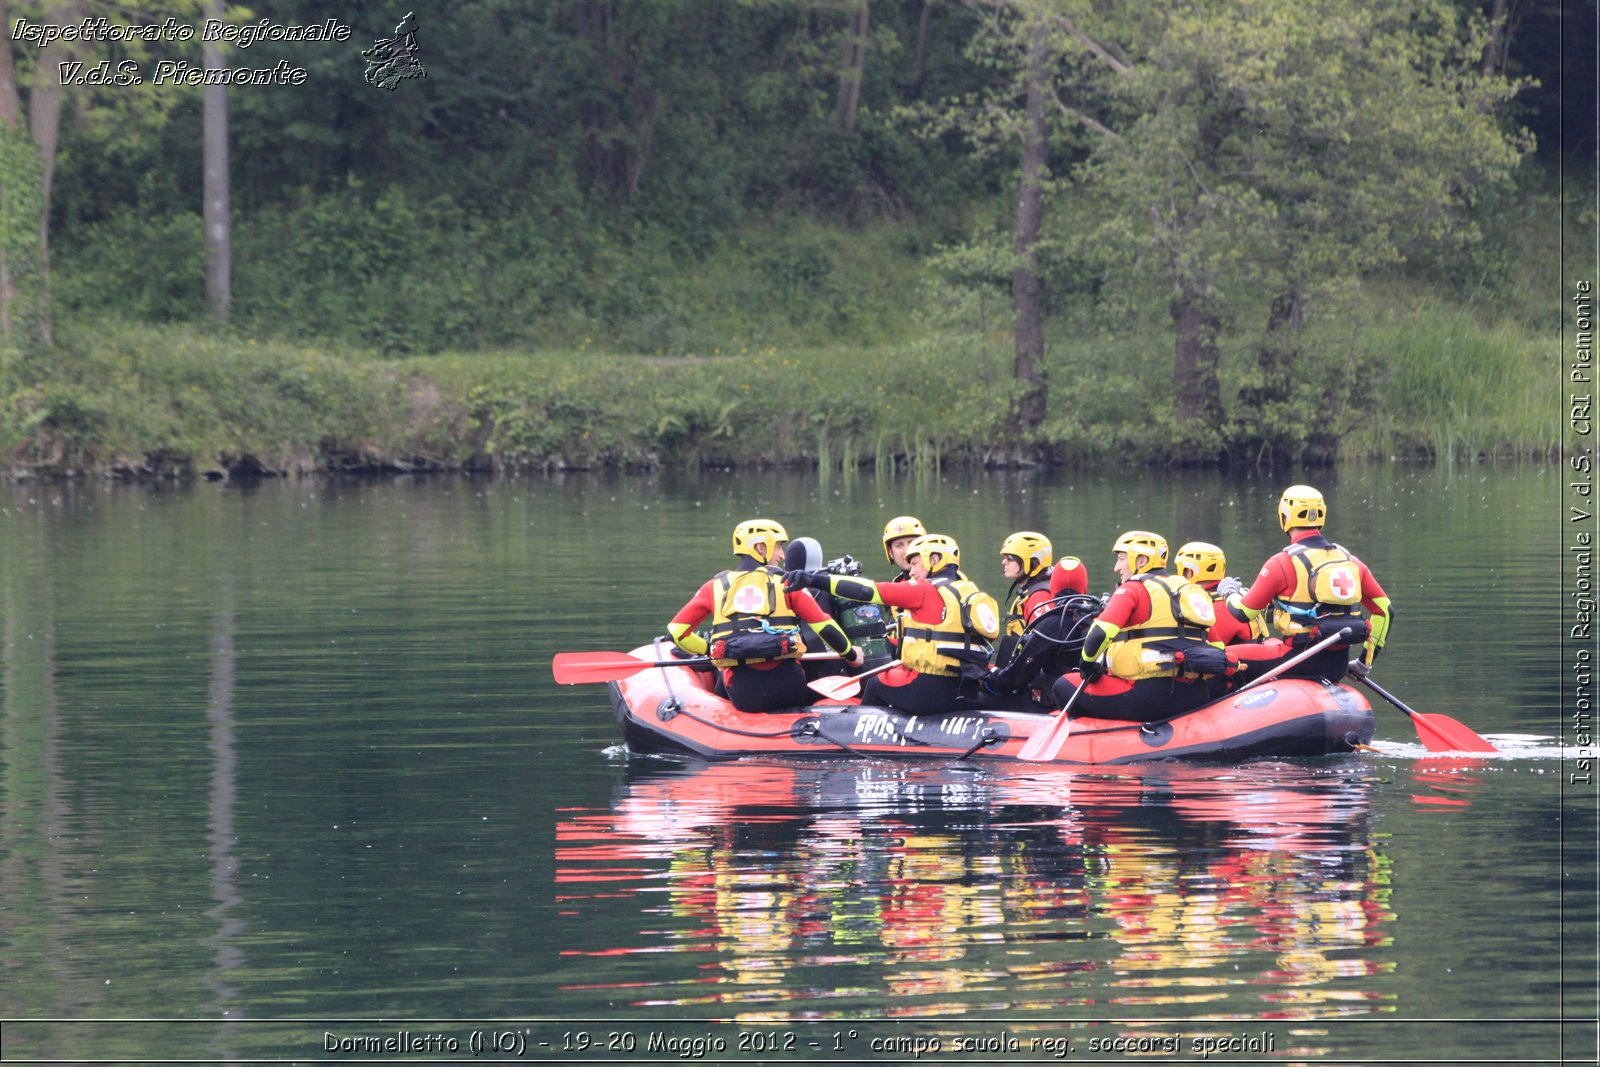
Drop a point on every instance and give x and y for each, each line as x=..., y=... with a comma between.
x=282, y=767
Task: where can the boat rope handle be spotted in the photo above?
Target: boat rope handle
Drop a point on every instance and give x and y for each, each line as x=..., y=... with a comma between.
x=987, y=736
x=789, y=732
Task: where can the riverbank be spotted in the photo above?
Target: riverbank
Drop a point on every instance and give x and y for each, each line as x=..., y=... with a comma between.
x=1412, y=378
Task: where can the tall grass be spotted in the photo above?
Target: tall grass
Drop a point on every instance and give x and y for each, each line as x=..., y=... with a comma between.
x=1454, y=388
x=116, y=396
x=785, y=342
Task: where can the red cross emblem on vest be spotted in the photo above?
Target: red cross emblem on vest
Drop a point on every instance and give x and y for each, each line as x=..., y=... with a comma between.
x=1342, y=582
x=749, y=600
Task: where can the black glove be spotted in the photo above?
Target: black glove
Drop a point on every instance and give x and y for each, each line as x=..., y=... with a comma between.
x=794, y=581
x=1090, y=669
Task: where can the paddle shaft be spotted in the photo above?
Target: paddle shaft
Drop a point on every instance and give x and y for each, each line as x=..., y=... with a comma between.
x=1385, y=694
x=574, y=668
x=847, y=686
x=1042, y=748
x=1438, y=733
x=1296, y=660
x=704, y=661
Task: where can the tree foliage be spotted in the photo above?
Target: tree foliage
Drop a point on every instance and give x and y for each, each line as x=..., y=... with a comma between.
x=565, y=165
x=1281, y=149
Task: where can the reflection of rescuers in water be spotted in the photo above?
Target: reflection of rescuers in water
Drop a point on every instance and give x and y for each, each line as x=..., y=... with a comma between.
x=1314, y=588
x=1140, y=655
x=948, y=624
x=1049, y=644
x=755, y=624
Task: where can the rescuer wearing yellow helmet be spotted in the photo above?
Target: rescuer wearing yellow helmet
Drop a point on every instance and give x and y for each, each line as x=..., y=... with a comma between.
x=1314, y=588
x=898, y=533
x=1132, y=665
x=755, y=624
x=1025, y=559
x=949, y=624
x=1050, y=643
x=1205, y=565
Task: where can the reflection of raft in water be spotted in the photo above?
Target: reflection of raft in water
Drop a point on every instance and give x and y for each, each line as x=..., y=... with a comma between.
x=673, y=710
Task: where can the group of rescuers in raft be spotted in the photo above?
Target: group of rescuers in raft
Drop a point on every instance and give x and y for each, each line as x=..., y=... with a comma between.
x=1162, y=643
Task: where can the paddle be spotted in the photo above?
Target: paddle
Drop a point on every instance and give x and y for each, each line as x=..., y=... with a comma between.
x=841, y=686
x=574, y=668
x=1297, y=658
x=1438, y=733
x=1045, y=744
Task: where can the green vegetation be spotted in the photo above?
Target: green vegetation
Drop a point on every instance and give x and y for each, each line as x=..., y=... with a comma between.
x=1421, y=377
x=745, y=232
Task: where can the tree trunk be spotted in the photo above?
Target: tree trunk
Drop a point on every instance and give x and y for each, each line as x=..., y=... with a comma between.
x=848, y=104
x=10, y=97
x=44, y=120
x=1194, y=361
x=11, y=117
x=1493, y=51
x=919, y=62
x=1280, y=347
x=1027, y=291
x=219, y=255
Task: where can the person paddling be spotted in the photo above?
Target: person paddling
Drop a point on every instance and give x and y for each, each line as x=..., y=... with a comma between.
x=755, y=638
x=1315, y=588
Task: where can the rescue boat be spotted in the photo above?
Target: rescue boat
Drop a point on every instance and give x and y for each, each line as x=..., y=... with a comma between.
x=673, y=710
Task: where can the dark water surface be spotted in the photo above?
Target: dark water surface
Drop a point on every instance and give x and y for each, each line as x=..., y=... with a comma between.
x=283, y=776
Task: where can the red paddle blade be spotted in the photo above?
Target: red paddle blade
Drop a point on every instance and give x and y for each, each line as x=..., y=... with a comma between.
x=573, y=668
x=1045, y=744
x=838, y=687
x=1441, y=733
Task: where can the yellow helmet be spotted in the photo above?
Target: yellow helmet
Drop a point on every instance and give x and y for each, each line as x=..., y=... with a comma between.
x=1142, y=543
x=1206, y=561
x=936, y=545
x=898, y=527
x=1301, y=507
x=751, y=533
x=1033, y=549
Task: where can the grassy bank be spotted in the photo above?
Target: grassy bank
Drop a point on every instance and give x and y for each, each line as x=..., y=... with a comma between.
x=416, y=335
x=1425, y=379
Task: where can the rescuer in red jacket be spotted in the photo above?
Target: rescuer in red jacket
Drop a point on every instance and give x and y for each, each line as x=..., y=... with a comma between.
x=948, y=626
x=1315, y=588
x=755, y=624
x=1132, y=662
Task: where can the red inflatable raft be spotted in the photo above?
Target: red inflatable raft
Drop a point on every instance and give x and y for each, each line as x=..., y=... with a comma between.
x=672, y=709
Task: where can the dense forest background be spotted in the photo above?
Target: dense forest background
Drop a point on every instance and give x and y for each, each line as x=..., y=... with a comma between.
x=833, y=231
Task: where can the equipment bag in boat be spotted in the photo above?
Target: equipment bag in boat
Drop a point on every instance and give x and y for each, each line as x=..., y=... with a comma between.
x=751, y=646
